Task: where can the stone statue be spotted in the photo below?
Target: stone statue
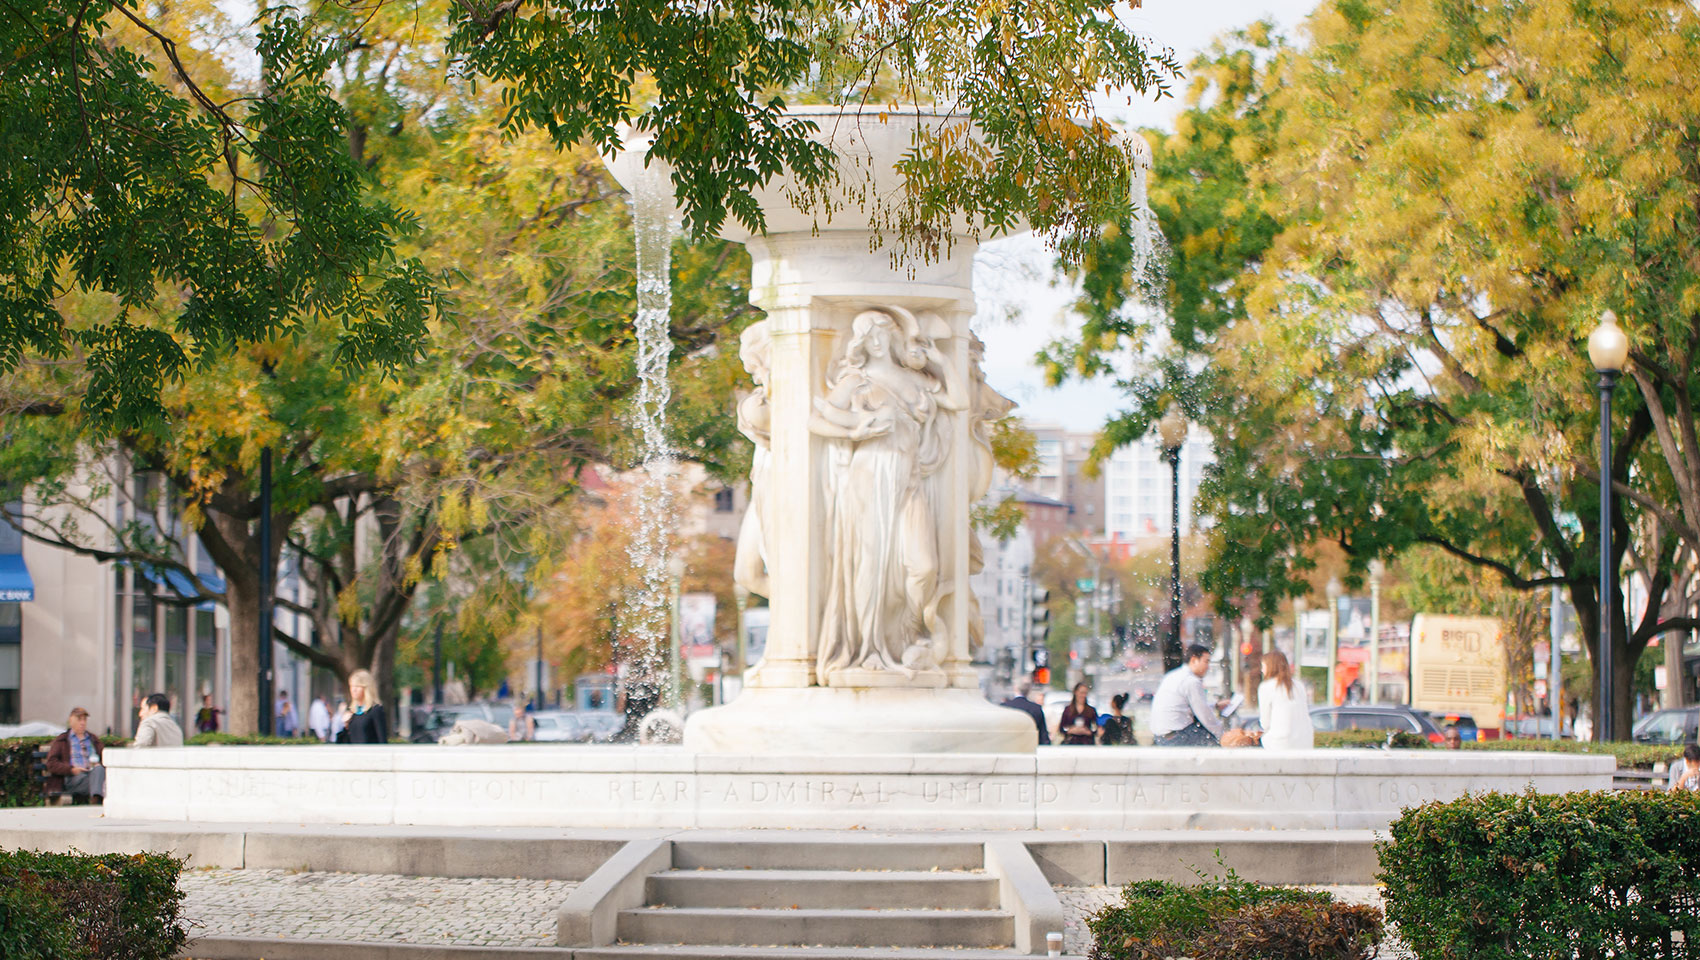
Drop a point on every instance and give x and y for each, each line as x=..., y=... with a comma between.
x=749, y=566
x=886, y=422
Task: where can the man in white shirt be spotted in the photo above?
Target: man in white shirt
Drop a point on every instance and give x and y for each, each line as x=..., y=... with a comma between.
x=319, y=718
x=1181, y=712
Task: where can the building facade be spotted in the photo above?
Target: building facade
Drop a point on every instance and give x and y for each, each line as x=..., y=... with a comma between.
x=1138, y=488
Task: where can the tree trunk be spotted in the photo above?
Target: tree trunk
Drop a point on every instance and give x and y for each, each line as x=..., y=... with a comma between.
x=242, y=596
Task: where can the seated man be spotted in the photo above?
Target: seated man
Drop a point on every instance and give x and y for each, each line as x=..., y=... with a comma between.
x=73, y=761
x=1181, y=712
x=156, y=728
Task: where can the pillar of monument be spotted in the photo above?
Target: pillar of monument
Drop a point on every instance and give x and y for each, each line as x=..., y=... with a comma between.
x=869, y=420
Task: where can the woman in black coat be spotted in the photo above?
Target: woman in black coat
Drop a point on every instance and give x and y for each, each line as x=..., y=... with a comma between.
x=366, y=723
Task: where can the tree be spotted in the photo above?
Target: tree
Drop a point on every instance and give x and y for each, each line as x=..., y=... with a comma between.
x=1383, y=327
x=141, y=168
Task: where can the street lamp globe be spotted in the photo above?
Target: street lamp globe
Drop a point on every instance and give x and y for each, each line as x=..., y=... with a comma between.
x=1377, y=570
x=1172, y=428
x=1334, y=589
x=676, y=566
x=1608, y=348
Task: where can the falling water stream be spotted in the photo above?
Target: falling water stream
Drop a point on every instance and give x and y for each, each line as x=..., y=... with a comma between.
x=644, y=619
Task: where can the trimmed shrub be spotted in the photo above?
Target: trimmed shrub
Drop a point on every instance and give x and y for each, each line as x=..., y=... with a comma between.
x=1278, y=931
x=1509, y=876
x=1402, y=739
x=19, y=785
x=250, y=740
x=1157, y=920
x=1637, y=755
x=73, y=906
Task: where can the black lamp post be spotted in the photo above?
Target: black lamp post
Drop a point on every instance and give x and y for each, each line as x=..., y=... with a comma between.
x=1608, y=348
x=267, y=588
x=1172, y=430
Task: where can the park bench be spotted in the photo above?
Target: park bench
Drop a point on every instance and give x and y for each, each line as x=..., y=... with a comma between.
x=1629, y=778
x=38, y=770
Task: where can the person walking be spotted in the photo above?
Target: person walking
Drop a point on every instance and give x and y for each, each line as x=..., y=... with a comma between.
x=1079, y=723
x=155, y=728
x=73, y=761
x=1282, y=706
x=287, y=722
x=366, y=722
x=1181, y=712
x=319, y=719
x=1022, y=703
x=206, y=718
x=1117, y=726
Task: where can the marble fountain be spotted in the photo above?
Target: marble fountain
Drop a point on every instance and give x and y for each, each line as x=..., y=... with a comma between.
x=870, y=420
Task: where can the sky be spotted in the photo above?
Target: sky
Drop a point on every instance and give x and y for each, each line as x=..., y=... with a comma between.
x=1021, y=307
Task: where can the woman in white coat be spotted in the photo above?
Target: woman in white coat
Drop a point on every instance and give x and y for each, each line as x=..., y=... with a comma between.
x=1283, y=707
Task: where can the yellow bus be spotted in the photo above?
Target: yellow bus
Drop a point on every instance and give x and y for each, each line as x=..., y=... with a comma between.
x=1458, y=666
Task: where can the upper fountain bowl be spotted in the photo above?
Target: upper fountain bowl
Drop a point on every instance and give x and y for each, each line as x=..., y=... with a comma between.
x=867, y=144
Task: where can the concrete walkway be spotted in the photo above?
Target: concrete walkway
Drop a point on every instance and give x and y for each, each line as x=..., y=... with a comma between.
x=306, y=892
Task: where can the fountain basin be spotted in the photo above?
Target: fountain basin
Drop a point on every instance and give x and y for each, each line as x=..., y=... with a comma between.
x=1056, y=788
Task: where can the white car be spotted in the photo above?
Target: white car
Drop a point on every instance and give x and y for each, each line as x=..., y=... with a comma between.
x=560, y=728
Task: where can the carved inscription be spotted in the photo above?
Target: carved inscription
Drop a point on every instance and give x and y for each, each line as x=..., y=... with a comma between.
x=291, y=788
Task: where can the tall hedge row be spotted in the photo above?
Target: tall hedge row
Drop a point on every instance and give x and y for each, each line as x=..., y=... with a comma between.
x=72, y=906
x=19, y=786
x=1513, y=876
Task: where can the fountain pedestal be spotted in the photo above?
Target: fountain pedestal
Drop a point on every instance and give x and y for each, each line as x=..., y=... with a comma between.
x=870, y=421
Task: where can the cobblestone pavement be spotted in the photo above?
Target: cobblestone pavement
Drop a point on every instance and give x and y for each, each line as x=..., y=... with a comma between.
x=373, y=907
x=1081, y=902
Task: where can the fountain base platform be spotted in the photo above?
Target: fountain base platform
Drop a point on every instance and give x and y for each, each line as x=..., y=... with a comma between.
x=817, y=721
x=1053, y=788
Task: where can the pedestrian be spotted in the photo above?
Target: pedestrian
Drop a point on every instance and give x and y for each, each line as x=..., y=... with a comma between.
x=319, y=718
x=1283, y=709
x=339, y=721
x=1022, y=703
x=1685, y=773
x=1452, y=738
x=286, y=719
x=1181, y=712
x=1117, y=726
x=366, y=722
x=73, y=761
x=155, y=727
x=522, y=726
x=1079, y=723
x=206, y=718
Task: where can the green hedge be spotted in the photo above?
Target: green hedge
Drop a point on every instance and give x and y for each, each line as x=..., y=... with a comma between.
x=1628, y=754
x=72, y=906
x=1512, y=876
x=19, y=786
x=1402, y=739
x=1231, y=919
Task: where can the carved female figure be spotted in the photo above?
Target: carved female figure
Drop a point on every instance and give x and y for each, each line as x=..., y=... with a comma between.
x=755, y=418
x=881, y=415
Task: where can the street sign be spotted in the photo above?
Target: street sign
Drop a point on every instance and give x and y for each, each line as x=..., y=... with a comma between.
x=1086, y=584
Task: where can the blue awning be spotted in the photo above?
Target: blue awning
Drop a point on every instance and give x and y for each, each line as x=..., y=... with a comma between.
x=15, y=583
x=178, y=582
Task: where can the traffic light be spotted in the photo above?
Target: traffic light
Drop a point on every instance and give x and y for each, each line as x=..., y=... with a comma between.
x=1040, y=665
x=1039, y=626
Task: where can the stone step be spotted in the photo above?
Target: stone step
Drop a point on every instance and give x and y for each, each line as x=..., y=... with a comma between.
x=668, y=951
x=827, y=855
x=798, y=928
x=826, y=889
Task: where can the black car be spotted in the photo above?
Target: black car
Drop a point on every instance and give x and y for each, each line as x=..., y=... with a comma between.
x=1363, y=716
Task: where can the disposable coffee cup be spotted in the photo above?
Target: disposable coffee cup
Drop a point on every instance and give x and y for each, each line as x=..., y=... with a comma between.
x=1053, y=944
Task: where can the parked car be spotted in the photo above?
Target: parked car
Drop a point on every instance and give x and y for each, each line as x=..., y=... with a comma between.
x=1533, y=727
x=601, y=725
x=1465, y=723
x=1363, y=716
x=1681, y=725
x=431, y=724
x=559, y=726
